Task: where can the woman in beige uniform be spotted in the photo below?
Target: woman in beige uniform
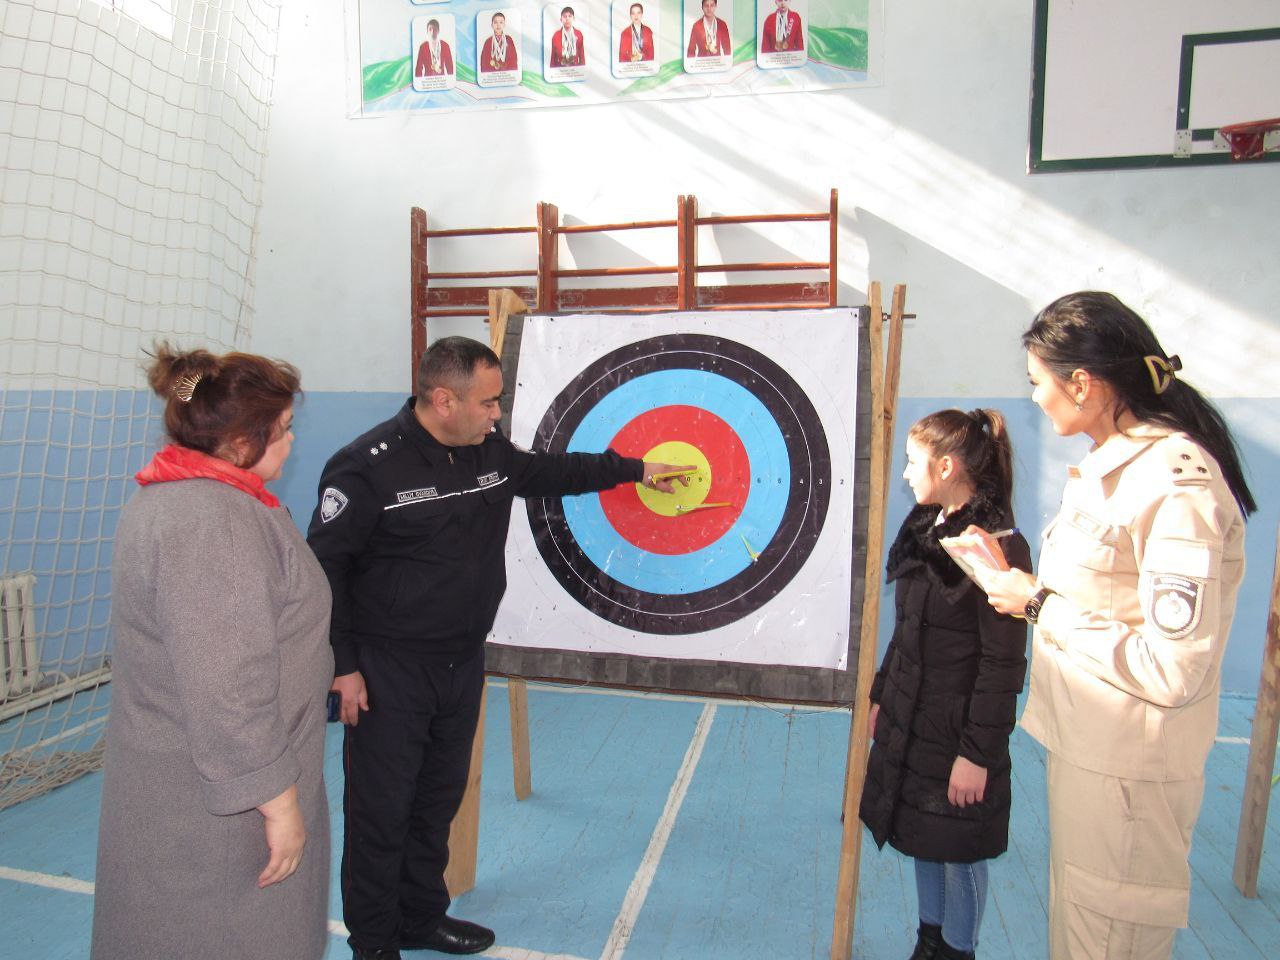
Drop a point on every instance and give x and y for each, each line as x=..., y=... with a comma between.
x=1132, y=605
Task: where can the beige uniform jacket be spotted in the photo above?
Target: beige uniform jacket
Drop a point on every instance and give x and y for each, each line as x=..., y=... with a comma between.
x=1145, y=558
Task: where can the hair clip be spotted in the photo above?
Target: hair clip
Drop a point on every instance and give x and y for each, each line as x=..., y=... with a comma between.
x=186, y=387
x=1163, y=372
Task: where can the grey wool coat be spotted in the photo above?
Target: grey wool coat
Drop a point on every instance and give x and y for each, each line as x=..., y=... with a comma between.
x=220, y=673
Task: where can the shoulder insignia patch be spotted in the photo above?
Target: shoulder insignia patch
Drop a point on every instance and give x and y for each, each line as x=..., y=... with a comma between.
x=1173, y=604
x=332, y=503
x=1186, y=461
x=376, y=451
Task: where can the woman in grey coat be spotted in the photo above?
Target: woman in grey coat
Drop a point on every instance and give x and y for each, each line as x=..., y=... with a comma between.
x=214, y=838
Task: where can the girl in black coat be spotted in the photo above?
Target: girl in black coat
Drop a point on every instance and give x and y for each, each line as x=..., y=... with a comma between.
x=943, y=702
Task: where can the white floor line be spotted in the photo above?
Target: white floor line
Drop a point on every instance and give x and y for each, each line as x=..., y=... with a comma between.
x=69, y=884
x=633, y=902
x=336, y=927
x=1231, y=740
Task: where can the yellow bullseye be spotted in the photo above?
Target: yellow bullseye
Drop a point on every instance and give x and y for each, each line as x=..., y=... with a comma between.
x=681, y=454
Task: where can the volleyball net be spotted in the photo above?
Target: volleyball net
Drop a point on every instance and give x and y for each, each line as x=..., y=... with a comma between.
x=132, y=144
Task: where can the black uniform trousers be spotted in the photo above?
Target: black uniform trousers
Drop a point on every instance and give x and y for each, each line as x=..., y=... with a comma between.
x=406, y=766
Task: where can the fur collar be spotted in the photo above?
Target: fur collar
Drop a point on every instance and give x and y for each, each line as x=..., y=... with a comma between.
x=917, y=541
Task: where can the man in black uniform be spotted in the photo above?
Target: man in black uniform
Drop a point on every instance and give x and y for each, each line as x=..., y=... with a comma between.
x=411, y=530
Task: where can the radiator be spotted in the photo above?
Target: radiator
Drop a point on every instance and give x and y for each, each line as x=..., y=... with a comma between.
x=19, y=653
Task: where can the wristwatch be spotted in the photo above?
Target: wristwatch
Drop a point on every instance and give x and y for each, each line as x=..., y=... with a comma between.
x=1031, y=612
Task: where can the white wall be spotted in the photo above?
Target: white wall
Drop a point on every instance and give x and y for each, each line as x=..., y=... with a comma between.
x=933, y=188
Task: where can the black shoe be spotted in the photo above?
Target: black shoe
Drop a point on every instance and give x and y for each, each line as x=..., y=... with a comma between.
x=374, y=953
x=451, y=936
x=928, y=939
x=947, y=952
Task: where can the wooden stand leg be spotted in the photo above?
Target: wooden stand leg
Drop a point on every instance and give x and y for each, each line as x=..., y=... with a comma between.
x=464, y=833
x=518, y=698
x=1262, y=753
x=856, y=762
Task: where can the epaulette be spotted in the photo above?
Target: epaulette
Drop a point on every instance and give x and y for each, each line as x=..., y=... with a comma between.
x=1186, y=461
x=376, y=448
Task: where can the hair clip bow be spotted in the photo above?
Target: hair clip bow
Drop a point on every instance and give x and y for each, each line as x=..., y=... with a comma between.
x=1163, y=372
x=186, y=386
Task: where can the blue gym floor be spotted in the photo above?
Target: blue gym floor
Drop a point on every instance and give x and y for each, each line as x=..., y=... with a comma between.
x=665, y=827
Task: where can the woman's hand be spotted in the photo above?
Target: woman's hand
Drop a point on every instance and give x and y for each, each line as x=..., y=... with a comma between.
x=286, y=836
x=1009, y=590
x=968, y=783
x=871, y=722
x=350, y=687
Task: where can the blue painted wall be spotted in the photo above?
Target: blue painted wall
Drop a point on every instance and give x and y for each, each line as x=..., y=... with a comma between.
x=65, y=453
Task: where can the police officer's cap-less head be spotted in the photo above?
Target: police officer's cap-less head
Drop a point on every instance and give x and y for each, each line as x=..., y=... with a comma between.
x=459, y=386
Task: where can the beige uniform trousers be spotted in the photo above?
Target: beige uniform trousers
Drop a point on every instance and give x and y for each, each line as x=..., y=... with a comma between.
x=1119, y=881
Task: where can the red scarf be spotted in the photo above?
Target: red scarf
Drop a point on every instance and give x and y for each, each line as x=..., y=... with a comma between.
x=183, y=463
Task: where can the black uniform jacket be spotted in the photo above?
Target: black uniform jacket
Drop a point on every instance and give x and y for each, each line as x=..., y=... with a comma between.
x=948, y=687
x=411, y=533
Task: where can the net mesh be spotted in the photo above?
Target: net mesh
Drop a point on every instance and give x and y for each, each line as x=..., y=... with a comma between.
x=132, y=143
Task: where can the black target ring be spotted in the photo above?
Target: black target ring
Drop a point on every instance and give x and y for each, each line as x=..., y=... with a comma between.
x=777, y=562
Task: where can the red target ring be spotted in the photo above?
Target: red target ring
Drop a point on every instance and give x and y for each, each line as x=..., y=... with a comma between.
x=730, y=480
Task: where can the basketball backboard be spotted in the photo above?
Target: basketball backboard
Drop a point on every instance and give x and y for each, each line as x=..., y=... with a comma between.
x=1148, y=83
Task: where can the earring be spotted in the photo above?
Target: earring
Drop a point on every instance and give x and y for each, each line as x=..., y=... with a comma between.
x=1079, y=405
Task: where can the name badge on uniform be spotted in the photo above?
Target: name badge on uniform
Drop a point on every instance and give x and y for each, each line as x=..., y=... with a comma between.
x=413, y=496
x=332, y=503
x=1173, y=605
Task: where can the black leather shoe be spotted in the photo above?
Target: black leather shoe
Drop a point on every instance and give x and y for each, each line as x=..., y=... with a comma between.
x=451, y=936
x=374, y=953
x=928, y=939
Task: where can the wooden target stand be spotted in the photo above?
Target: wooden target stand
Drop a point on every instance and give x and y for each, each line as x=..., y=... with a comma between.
x=466, y=293
x=1262, y=753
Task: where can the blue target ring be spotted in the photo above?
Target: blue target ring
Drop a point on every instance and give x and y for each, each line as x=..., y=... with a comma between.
x=790, y=485
x=760, y=517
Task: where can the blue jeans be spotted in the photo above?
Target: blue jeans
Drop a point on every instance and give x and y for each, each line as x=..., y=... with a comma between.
x=952, y=896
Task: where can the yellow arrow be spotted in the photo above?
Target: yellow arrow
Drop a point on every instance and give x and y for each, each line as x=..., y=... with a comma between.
x=681, y=508
x=751, y=553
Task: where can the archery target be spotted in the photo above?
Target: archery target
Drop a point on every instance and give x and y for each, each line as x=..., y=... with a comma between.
x=750, y=561
x=742, y=528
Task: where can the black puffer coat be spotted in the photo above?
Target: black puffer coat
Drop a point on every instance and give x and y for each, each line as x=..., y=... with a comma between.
x=948, y=687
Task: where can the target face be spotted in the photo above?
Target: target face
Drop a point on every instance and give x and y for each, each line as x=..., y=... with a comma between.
x=728, y=542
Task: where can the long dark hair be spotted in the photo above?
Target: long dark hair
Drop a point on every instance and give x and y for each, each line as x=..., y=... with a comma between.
x=979, y=441
x=227, y=406
x=1095, y=332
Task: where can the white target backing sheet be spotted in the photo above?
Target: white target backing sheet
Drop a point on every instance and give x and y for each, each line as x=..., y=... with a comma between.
x=748, y=563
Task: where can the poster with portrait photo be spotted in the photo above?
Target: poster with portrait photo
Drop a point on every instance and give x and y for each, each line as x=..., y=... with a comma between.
x=708, y=36
x=498, y=53
x=781, y=33
x=843, y=48
x=564, y=42
x=433, y=41
x=635, y=38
